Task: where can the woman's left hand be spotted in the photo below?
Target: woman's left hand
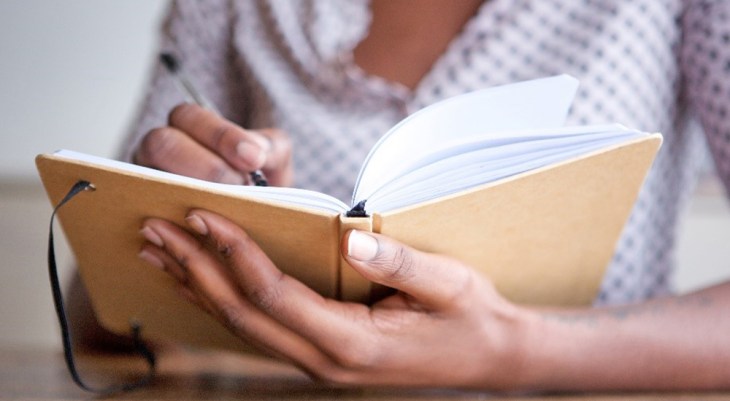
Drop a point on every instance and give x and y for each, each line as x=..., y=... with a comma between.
x=446, y=325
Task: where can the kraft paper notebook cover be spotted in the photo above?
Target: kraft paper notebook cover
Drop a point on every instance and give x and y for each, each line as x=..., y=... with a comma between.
x=543, y=235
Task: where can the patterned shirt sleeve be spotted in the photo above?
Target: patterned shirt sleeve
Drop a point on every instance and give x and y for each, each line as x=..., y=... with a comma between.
x=706, y=67
x=198, y=33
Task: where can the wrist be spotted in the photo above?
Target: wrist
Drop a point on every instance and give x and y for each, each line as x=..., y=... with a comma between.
x=560, y=348
x=534, y=374
x=531, y=346
x=513, y=334
x=547, y=349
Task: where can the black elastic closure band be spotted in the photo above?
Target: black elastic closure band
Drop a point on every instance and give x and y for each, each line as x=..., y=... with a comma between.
x=139, y=346
x=358, y=210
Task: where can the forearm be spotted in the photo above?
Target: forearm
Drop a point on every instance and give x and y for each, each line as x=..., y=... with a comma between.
x=671, y=343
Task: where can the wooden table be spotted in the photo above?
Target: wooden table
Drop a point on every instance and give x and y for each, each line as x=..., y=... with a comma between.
x=42, y=375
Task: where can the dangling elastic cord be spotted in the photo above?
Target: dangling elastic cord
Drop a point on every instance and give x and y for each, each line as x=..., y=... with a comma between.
x=63, y=321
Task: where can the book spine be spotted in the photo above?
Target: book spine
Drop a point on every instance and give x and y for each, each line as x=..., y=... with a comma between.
x=352, y=286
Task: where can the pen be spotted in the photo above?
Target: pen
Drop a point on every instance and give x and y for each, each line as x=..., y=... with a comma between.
x=173, y=66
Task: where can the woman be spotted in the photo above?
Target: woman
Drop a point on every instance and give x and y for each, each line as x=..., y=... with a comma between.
x=308, y=86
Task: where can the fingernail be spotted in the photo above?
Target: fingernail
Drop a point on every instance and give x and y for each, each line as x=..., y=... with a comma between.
x=263, y=141
x=197, y=224
x=361, y=246
x=151, y=259
x=152, y=236
x=251, y=154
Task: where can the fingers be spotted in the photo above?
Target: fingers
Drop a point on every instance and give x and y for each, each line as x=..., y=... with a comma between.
x=242, y=149
x=437, y=282
x=278, y=166
x=200, y=143
x=206, y=283
x=172, y=150
x=323, y=322
x=255, y=300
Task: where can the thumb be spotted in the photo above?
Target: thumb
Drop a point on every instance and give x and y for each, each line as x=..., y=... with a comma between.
x=431, y=279
x=278, y=155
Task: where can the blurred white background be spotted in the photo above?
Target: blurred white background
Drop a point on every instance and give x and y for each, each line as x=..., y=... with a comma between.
x=71, y=75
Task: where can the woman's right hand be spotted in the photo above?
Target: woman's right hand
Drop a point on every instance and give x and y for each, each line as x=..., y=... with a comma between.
x=200, y=143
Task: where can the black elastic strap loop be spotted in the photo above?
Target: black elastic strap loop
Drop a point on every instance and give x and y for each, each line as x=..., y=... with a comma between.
x=139, y=346
x=358, y=210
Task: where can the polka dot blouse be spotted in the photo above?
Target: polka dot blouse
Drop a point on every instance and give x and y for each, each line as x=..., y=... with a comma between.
x=655, y=65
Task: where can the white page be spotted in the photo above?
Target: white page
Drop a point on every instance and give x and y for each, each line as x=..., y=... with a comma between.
x=446, y=171
x=286, y=196
x=463, y=149
x=540, y=103
x=453, y=175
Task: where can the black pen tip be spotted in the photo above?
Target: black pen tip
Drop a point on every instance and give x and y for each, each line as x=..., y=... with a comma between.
x=258, y=179
x=170, y=62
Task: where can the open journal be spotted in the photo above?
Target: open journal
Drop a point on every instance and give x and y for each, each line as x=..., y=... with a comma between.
x=492, y=178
